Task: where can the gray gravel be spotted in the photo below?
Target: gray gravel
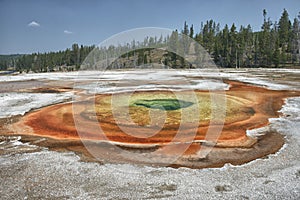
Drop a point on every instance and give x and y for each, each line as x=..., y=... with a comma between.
x=52, y=175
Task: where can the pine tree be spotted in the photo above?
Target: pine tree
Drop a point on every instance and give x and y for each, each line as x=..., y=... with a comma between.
x=233, y=45
x=284, y=28
x=185, y=29
x=226, y=47
x=295, y=39
x=208, y=34
x=265, y=44
x=192, y=31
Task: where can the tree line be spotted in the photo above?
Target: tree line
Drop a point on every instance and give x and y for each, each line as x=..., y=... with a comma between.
x=277, y=44
x=68, y=60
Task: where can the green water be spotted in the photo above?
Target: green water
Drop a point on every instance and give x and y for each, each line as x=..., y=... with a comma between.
x=163, y=104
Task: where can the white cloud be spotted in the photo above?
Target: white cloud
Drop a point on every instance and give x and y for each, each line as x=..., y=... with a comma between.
x=34, y=24
x=67, y=32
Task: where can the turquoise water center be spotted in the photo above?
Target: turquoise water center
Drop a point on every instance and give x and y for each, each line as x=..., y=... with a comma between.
x=163, y=104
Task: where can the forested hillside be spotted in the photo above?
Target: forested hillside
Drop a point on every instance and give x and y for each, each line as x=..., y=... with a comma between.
x=8, y=60
x=277, y=44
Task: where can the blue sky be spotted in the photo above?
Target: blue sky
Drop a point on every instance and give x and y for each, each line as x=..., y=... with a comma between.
x=42, y=26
